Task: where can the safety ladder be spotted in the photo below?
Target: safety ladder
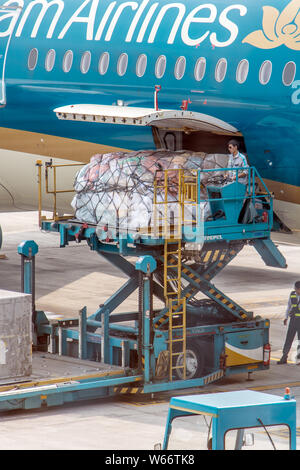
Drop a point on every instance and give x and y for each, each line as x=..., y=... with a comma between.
x=178, y=189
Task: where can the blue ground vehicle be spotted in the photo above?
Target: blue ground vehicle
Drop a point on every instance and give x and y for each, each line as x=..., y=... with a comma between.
x=239, y=410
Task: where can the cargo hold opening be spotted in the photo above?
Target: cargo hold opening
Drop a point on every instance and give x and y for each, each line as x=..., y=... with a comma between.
x=196, y=141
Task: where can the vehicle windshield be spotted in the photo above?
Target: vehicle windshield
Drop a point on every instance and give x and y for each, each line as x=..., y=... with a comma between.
x=194, y=433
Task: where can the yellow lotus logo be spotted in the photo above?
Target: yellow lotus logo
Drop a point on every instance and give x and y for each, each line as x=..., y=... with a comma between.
x=278, y=28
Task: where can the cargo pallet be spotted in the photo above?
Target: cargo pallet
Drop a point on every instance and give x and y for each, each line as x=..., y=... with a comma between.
x=184, y=345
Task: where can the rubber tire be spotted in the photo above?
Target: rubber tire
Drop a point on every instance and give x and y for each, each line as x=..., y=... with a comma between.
x=194, y=363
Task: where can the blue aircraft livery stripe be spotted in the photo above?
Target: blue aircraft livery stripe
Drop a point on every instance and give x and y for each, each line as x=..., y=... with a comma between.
x=236, y=61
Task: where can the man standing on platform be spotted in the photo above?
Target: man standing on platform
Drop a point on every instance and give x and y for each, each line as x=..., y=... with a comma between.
x=237, y=160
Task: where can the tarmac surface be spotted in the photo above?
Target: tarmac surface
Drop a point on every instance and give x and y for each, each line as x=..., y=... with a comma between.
x=69, y=278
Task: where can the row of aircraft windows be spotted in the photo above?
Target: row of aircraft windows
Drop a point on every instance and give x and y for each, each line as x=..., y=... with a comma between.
x=242, y=70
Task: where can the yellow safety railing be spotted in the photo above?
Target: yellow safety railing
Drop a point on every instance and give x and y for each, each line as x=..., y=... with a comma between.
x=50, y=167
x=190, y=197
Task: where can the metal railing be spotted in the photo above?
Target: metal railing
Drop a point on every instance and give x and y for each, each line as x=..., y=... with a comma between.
x=252, y=177
x=54, y=191
x=193, y=188
x=187, y=188
x=252, y=182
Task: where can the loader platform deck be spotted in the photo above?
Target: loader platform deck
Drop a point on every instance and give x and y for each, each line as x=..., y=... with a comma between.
x=48, y=368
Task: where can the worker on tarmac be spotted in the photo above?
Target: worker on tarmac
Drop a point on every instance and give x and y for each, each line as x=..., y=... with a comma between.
x=237, y=160
x=293, y=313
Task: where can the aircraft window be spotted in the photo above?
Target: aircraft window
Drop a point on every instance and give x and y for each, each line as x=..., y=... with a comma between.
x=68, y=61
x=103, y=63
x=265, y=72
x=180, y=68
x=289, y=73
x=33, y=58
x=141, y=65
x=242, y=71
x=122, y=64
x=221, y=69
x=160, y=66
x=85, y=62
x=50, y=60
x=200, y=68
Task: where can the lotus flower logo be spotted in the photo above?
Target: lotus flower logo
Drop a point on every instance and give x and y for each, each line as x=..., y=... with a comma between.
x=278, y=28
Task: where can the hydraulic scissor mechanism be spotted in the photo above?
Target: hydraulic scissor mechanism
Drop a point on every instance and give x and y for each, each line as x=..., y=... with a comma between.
x=196, y=277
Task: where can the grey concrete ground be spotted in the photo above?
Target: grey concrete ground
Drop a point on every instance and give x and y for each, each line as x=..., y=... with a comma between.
x=69, y=278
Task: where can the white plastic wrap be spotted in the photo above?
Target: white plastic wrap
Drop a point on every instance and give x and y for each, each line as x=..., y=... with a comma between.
x=117, y=189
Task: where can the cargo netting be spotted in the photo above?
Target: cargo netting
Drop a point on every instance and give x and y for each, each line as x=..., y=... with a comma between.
x=117, y=189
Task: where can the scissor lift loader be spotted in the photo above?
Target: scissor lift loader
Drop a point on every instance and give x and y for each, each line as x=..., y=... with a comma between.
x=187, y=343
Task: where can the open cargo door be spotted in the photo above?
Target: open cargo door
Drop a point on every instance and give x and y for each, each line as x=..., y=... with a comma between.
x=178, y=120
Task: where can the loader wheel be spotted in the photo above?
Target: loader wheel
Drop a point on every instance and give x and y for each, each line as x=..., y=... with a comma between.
x=194, y=363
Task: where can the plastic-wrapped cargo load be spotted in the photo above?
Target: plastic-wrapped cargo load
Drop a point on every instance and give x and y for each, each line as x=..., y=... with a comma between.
x=117, y=189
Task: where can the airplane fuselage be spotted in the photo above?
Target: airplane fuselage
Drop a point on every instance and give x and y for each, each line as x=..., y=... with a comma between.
x=235, y=61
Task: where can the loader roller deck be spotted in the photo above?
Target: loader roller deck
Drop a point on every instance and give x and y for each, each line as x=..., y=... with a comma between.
x=56, y=380
x=51, y=368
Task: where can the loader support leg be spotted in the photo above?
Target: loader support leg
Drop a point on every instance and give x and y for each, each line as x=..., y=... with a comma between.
x=146, y=265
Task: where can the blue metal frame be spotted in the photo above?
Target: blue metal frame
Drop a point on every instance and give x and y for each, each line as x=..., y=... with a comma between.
x=60, y=393
x=116, y=349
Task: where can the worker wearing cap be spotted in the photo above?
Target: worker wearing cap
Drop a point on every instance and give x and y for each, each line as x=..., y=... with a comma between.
x=293, y=313
x=237, y=160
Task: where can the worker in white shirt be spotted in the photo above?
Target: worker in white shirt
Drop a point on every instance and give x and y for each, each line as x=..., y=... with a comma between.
x=237, y=160
x=293, y=313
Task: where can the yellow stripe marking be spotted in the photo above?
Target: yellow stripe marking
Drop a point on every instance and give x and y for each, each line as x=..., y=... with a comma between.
x=275, y=386
x=41, y=383
x=235, y=359
x=193, y=411
x=206, y=258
